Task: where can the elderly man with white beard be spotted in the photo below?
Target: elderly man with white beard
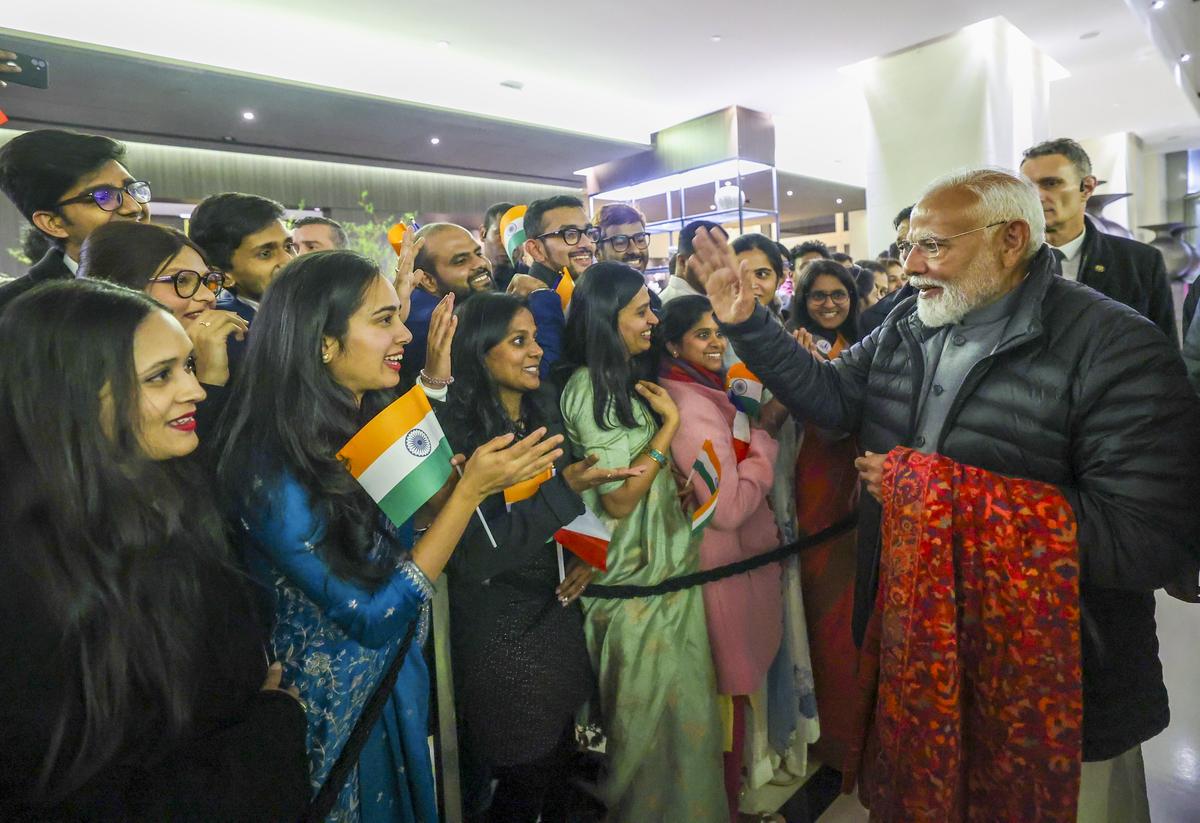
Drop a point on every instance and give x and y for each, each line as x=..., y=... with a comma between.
x=998, y=365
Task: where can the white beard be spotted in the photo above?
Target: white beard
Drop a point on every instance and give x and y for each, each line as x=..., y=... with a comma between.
x=975, y=288
x=948, y=308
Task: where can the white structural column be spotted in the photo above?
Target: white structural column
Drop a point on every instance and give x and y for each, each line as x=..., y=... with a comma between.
x=976, y=97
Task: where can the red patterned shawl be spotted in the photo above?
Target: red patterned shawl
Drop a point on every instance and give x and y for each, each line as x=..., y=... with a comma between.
x=971, y=665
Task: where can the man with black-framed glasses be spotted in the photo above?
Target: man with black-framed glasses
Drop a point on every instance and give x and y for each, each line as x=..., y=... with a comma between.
x=623, y=236
x=560, y=236
x=67, y=185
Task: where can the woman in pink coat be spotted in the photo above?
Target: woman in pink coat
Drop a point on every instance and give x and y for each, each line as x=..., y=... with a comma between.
x=744, y=612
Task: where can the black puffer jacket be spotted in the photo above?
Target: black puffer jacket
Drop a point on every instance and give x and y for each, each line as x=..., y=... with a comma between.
x=1081, y=392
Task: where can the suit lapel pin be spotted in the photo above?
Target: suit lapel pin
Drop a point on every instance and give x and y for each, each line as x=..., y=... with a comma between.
x=1099, y=267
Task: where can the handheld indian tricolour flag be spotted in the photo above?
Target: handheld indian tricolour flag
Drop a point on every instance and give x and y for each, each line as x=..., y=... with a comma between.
x=401, y=458
x=708, y=469
x=587, y=537
x=745, y=392
x=745, y=389
x=565, y=288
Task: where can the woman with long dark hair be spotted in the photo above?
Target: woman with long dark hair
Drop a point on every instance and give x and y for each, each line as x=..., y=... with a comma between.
x=324, y=358
x=165, y=264
x=826, y=306
x=825, y=317
x=520, y=662
x=134, y=658
x=744, y=612
x=651, y=655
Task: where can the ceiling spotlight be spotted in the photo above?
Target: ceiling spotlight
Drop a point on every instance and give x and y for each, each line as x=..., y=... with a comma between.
x=1186, y=57
x=515, y=85
x=443, y=44
x=712, y=208
x=789, y=193
x=435, y=140
x=247, y=115
x=839, y=201
x=716, y=38
x=1089, y=35
x=1158, y=4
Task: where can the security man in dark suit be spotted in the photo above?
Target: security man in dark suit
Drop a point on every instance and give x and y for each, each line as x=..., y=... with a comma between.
x=67, y=185
x=1130, y=272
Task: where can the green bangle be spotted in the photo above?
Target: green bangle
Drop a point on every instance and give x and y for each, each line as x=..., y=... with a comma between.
x=658, y=457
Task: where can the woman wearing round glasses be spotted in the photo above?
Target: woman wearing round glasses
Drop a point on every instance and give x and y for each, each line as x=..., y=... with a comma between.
x=166, y=265
x=825, y=317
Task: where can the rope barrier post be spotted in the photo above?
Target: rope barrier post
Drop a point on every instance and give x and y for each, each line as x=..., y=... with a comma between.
x=446, y=744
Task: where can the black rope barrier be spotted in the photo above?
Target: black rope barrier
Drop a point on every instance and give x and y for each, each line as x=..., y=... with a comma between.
x=687, y=581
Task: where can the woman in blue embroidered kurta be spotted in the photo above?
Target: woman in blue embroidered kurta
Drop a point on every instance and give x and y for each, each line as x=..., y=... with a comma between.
x=344, y=587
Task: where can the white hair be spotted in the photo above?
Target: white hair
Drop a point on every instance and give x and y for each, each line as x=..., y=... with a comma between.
x=1003, y=196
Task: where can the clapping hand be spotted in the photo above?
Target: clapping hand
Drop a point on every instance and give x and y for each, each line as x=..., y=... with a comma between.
x=442, y=325
x=403, y=278
x=585, y=474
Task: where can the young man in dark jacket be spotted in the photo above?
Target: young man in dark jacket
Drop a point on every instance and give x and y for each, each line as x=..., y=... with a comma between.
x=1001, y=364
x=66, y=185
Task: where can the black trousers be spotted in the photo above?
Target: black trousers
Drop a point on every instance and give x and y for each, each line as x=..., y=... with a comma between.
x=540, y=787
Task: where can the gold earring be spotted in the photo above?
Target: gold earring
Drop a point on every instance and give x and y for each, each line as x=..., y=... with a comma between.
x=326, y=357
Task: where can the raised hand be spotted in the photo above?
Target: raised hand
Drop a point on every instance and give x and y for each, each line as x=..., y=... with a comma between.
x=402, y=277
x=728, y=283
x=586, y=475
x=496, y=464
x=210, y=333
x=8, y=65
x=442, y=325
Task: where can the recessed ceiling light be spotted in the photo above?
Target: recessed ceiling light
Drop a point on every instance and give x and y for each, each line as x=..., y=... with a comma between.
x=712, y=208
x=247, y=115
x=1089, y=35
x=443, y=44
x=839, y=201
x=516, y=85
x=435, y=140
x=789, y=194
x=1186, y=57
x=1158, y=4
x=716, y=38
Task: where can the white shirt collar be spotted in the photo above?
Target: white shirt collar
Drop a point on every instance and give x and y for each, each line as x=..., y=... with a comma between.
x=1071, y=250
x=71, y=264
x=251, y=303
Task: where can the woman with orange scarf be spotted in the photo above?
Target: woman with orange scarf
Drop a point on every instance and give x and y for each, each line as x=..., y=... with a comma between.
x=825, y=318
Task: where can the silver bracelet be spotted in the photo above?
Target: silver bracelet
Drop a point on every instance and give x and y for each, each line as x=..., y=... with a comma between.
x=434, y=381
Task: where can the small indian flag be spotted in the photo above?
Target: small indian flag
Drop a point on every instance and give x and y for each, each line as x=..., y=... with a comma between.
x=401, y=457
x=741, y=435
x=566, y=288
x=587, y=537
x=708, y=469
x=525, y=489
x=512, y=231
x=745, y=389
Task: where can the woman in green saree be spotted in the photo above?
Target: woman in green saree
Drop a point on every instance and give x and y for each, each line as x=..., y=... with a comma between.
x=651, y=655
